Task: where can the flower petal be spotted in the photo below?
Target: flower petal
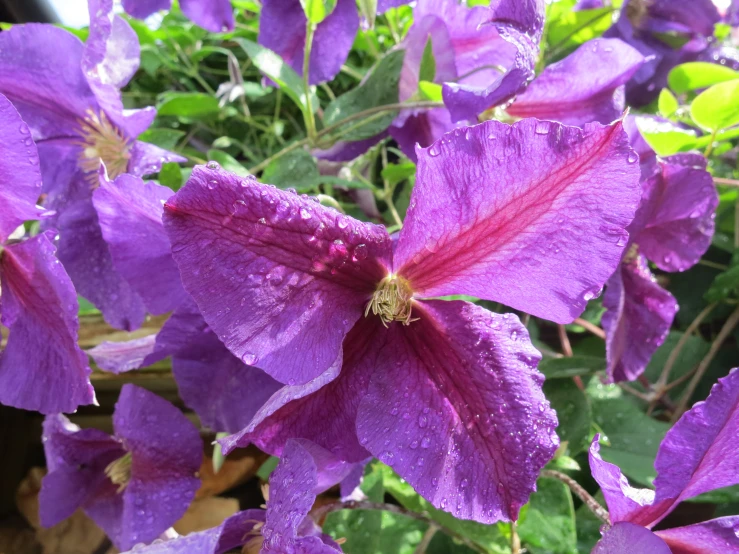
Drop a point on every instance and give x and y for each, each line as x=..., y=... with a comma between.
x=422, y=129
x=583, y=87
x=638, y=318
x=130, y=214
x=699, y=453
x=120, y=357
x=708, y=537
x=519, y=214
x=216, y=16
x=282, y=28
x=20, y=176
x=456, y=408
x=147, y=158
x=627, y=538
x=279, y=278
x=42, y=368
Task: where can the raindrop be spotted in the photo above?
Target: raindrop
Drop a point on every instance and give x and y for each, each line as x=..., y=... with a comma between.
x=213, y=165
x=633, y=157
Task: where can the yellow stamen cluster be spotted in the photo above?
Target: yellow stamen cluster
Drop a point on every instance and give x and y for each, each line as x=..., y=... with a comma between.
x=119, y=471
x=102, y=141
x=392, y=301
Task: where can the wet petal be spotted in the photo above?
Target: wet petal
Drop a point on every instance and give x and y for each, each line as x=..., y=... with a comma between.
x=639, y=317
x=456, y=408
x=708, y=537
x=627, y=538
x=422, y=129
x=279, y=278
x=521, y=215
x=141, y=9
x=42, y=368
x=147, y=158
x=215, y=16
x=120, y=357
x=582, y=88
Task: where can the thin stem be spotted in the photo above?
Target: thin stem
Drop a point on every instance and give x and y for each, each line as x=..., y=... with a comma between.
x=727, y=182
x=310, y=122
x=564, y=341
x=389, y=190
x=709, y=148
x=594, y=329
x=714, y=265
x=581, y=493
x=426, y=540
x=723, y=334
x=515, y=539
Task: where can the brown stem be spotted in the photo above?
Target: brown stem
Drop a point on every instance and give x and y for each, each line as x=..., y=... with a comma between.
x=564, y=341
x=426, y=540
x=728, y=182
x=594, y=329
x=581, y=493
x=515, y=539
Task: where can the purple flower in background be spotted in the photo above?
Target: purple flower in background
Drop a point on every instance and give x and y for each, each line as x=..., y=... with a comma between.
x=41, y=366
x=134, y=484
x=304, y=471
x=699, y=454
x=215, y=16
x=672, y=229
x=445, y=392
x=68, y=93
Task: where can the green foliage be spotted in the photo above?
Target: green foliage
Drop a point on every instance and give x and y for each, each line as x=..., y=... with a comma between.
x=718, y=107
x=573, y=412
x=317, y=10
x=698, y=75
x=547, y=522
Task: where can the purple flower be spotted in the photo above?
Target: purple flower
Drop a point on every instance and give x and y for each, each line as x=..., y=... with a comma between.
x=215, y=16
x=135, y=484
x=445, y=392
x=68, y=93
x=699, y=454
x=672, y=229
x=304, y=471
x=41, y=366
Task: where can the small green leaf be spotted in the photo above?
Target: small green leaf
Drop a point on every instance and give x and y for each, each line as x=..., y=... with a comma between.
x=266, y=469
x=547, y=522
x=368, y=11
x=317, y=10
x=163, y=138
x=724, y=286
x=666, y=138
x=427, y=72
x=227, y=162
x=573, y=411
x=718, y=107
x=296, y=170
x=395, y=173
x=192, y=105
x=171, y=176
x=567, y=367
x=430, y=91
x=698, y=75
x=667, y=103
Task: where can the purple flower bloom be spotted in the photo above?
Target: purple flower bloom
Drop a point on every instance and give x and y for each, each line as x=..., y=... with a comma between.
x=68, y=93
x=135, y=484
x=215, y=16
x=304, y=471
x=673, y=229
x=444, y=391
x=699, y=454
x=41, y=368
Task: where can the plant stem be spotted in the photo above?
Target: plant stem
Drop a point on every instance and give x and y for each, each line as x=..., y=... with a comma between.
x=727, y=182
x=426, y=540
x=709, y=148
x=594, y=329
x=515, y=539
x=389, y=190
x=581, y=493
x=310, y=122
x=564, y=340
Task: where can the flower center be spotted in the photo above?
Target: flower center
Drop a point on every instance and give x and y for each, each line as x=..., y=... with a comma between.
x=631, y=254
x=637, y=11
x=102, y=141
x=392, y=301
x=119, y=471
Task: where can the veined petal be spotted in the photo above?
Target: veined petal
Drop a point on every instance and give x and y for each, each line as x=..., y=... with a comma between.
x=282, y=28
x=420, y=129
x=627, y=538
x=20, y=176
x=583, y=87
x=638, y=318
x=216, y=16
x=166, y=452
x=148, y=158
x=518, y=214
x=130, y=215
x=279, y=278
x=708, y=537
x=699, y=453
x=141, y=9
x=42, y=368
x=456, y=408
x=120, y=357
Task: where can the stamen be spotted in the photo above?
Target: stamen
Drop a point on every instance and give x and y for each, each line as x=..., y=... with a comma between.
x=119, y=471
x=102, y=141
x=392, y=301
x=631, y=254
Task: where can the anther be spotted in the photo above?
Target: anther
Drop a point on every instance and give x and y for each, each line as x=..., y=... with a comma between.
x=119, y=471
x=392, y=301
x=102, y=141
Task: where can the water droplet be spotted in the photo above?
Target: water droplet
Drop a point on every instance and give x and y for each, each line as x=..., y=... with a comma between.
x=633, y=157
x=305, y=215
x=249, y=358
x=213, y=165
x=542, y=128
x=434, y=150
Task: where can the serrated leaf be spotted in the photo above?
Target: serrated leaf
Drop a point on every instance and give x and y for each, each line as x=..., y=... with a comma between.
x=192, y=105
x=697, y=75
x=573, y=411
x=717, y=108
x=667, y=103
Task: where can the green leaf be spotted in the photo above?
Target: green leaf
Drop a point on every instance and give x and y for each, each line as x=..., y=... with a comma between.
x=228, y=162
x=666, y=138
x=266, y=469
x=163, y=138
x=430, y=91
x=566, y=367
x=547, y=522
x=379, y=89
x=724, y=286
x=296, y=170
x=192, y=105
x=317, y=10
x=396, y=173
x=718, y=107
x=697, y=75
x=368, y=11
x=573, y=28
x=171, y=176
x=427, y=71
x=667, y=103
x=573, y=412
x=693, y=351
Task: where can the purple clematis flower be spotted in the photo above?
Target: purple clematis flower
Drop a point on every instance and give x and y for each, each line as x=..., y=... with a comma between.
x=699, y=454
x=41, y=367
x=668, y=33
x=135, y=484
x=215, y=16
x=304, y=471
x=68, y=93
x=445, y=392
x=672, y=229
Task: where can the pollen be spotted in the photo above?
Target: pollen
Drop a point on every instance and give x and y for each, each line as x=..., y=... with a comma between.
x=102, y=141
x=119, y=471
x=392, y=301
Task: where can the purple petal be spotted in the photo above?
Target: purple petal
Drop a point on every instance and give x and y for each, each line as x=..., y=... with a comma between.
x=638, y=318
x=531, y=223
x=120, y=357
x=42, y=368
x=456, y=408
x=699, y=453
x=583, y=87
x=147, y=158
x=20, y=176
x=708, y=537
x=141, y=9
x=384, y=5
x=130, y=214
x=347, y=151
x=627, y=538
x=166, y=452
x=279, y=278
x=282, y=28
x=215, y=16
x=422, y=129
x=664, y=16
